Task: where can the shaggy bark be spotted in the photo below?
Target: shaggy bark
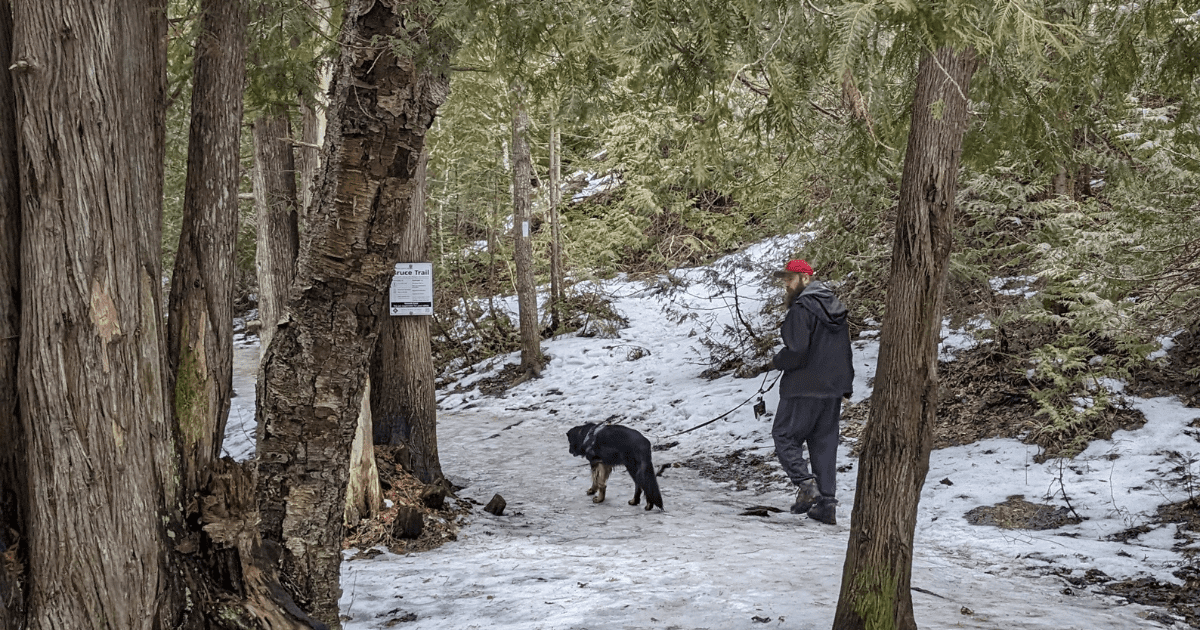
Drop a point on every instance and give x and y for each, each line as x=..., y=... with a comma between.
x=236, y=559
x=531, y=341
x=894, y=459
x=200, y=327
x=90, y=99
x=278, y=241
x=314, y=369
x=403, y=404
x=13, y=482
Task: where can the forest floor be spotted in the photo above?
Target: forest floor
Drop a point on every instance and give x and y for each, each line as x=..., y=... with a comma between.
x=983, y=395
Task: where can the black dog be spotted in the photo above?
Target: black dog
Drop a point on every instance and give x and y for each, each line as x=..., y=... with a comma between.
x=606, y=446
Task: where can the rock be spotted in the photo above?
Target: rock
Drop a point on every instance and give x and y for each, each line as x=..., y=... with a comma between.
x=496, y=505
x=408, y=523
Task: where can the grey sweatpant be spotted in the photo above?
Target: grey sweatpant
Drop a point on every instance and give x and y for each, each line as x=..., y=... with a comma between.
x=813, y=421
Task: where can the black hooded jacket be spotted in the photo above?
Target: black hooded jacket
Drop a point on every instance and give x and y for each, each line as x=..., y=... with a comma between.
x=815, y=360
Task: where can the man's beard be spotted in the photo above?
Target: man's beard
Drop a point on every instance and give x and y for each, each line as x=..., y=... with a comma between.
x=791, y=295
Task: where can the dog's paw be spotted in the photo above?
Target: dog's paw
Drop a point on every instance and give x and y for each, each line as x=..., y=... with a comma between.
x=649, y=506
x=634, y=502
x=597, y=499
x=591, y=491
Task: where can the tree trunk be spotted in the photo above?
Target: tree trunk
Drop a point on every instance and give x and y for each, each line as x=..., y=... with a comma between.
x=278, y=225
x=200, y=325
x=314, y=369
x=13, y=483
x=1060, y=182
x=403, y=404
x=899, y=434
x=308, y=154
x=522, y=165
x=556, y=264
x=312, y=116
x=89, y=88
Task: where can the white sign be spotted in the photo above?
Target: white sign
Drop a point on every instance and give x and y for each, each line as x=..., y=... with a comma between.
x=412, y=289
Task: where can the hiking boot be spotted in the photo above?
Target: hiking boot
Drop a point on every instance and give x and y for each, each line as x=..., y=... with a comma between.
x=825, y=511
x=806, y=496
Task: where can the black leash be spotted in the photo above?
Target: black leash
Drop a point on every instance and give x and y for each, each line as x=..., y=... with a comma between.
x=759, y=408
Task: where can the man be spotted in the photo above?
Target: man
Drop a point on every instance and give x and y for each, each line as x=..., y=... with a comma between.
x=817, y=374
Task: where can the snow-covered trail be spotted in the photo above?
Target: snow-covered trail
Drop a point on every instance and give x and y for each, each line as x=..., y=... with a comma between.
x=554, y=560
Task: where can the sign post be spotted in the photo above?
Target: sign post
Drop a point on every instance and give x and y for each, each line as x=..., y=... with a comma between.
x=412, y=289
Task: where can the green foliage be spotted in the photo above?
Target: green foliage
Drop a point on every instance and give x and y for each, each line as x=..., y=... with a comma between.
x=288, y=41
x=1118, y=271
x=180, y=36
x=1071, y=400
x=1000, y=210
x=588, y=312
x=725, y=122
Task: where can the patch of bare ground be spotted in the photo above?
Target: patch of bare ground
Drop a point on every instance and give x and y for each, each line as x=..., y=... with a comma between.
x=1017, y=513
x=509, y=376
x=1175, y=375
x=411, y=511
x=745, y=470
x=984, y=393
x=1181, y=600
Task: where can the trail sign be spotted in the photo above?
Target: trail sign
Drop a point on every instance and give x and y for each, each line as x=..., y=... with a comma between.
x=412, y=289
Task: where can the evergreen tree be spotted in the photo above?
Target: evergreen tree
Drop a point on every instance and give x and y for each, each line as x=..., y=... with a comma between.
x=200, y=305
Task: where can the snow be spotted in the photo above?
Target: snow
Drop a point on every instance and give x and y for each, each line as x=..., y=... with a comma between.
x=1165, y=344
x=595, y=184
x=556, y=560
x=1016, y=285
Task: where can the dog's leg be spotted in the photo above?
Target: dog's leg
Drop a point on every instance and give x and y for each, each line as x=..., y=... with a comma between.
x=637, y=495
x=600, y=472
x=595, y=486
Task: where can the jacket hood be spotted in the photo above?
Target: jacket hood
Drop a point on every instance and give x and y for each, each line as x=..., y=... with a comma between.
x=823, y=304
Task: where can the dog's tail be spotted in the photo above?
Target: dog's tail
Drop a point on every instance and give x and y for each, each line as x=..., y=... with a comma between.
x=646, y=479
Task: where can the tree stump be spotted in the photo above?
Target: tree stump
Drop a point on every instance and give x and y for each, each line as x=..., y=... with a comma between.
x=408, y=523
x=434, y=496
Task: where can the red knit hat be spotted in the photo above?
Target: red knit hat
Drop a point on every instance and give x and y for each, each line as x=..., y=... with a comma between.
x=795, y=266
